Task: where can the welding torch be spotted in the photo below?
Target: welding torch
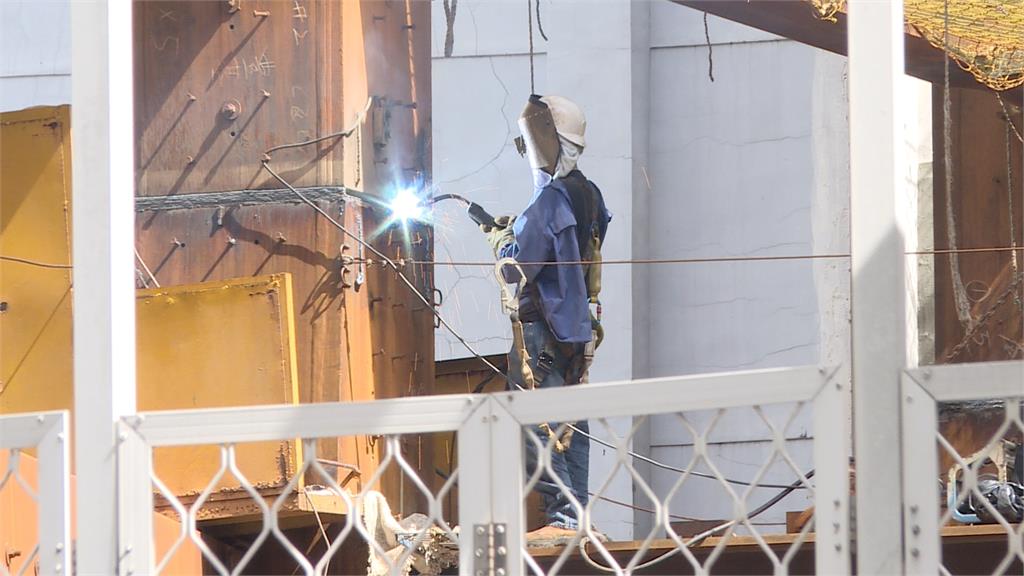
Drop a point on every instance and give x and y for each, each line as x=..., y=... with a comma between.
x=476, y=211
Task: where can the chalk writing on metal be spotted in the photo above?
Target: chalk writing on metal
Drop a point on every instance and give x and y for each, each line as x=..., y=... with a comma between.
x=299, y=11
x=298, y=35
x=161, y=46
x=168, y=15
x=297, y=113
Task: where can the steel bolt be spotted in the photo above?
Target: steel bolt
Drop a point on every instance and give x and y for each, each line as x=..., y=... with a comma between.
x=913, y=508
x=915, y=530
x=265, y=93
x=479, y=553
x=839, y=547
x=500, y=572
x=58, y=567
x=915, y=552
x=60, y=546
x=500, y=529
x=230, y=110
x=502, y=551
x=480, y=530
x=60, y=437
x=232, y=241
x=191, y=97
x=40, y=419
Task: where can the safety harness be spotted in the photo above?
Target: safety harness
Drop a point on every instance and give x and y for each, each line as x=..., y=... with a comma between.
x=586, y=205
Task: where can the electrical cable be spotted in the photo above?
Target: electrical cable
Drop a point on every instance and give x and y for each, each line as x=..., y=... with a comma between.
x=340, y=134
x=36, y=263
x=693, y=541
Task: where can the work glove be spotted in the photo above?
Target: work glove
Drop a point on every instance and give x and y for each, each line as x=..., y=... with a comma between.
x=500, y=236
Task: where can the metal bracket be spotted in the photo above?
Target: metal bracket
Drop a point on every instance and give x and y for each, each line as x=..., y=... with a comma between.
x=490, y=554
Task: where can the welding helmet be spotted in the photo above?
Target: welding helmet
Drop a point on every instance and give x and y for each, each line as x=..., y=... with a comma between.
x=544, y=119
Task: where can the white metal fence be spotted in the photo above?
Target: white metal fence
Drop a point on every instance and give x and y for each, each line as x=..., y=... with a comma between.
x=929, y=518
x=45, y=432
x=489, y=533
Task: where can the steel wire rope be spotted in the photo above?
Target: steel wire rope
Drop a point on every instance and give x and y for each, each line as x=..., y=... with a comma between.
x=462, y=340
x=697, y=539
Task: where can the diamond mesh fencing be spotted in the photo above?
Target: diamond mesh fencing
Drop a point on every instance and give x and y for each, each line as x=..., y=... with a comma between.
x=322, y=517
x=15, y=488
x=981, y=469
x=718, y=500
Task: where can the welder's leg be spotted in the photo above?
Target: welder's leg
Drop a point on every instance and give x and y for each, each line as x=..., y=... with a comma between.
x=549, y=367
x=577, y=458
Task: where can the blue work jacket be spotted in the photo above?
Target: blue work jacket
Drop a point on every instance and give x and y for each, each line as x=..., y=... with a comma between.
x=546, y=232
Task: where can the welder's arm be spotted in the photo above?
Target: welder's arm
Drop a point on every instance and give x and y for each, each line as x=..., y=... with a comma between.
x=532, y=242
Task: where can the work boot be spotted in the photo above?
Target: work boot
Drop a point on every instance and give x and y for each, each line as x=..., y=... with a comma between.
x=549, y=537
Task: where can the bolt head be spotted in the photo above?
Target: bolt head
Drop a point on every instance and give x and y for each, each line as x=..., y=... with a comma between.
x=479, y=553
x=480, y=530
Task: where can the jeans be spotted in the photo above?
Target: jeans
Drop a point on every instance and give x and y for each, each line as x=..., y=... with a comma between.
x=555, y=364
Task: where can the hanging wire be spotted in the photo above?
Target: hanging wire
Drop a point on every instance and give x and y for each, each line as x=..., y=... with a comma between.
x=529, y=14
x=540, y=26
x=707, y=40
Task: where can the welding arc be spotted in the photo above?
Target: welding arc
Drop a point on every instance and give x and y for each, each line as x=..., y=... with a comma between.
x=430, y=306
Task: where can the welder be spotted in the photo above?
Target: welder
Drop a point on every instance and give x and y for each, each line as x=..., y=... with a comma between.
x=558, y=322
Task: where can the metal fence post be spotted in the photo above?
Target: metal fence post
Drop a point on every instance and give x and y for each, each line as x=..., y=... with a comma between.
x=103, y=228
x=876, y=61
x=508, y=477
x=54, y=496
x=490, y=492
x=474, y=445
x=135, y=503
x=831, y=478
x=920, y=471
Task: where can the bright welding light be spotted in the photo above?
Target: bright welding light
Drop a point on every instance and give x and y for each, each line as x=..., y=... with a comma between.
x=406, y=206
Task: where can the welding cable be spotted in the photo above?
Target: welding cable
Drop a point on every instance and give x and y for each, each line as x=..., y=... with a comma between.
x=340, y=134
x=695, y=540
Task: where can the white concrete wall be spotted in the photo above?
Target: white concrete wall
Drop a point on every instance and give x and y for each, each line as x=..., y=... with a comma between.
x=35, y=53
